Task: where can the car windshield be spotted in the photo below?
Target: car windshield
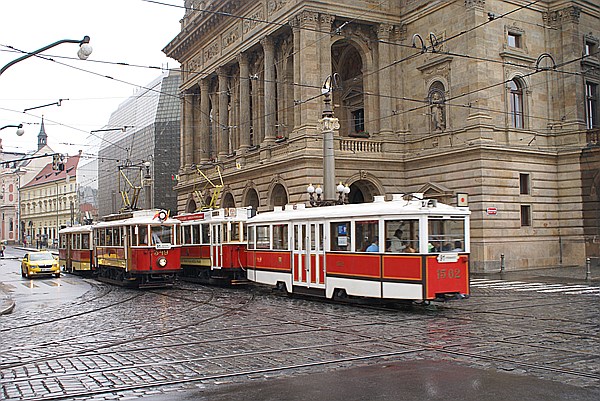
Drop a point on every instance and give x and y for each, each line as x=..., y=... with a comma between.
x=40, y=256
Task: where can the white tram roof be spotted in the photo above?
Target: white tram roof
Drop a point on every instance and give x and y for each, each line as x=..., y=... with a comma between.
x=76, y=229
x=222, y=214
x=138, y=217
x=397, y=207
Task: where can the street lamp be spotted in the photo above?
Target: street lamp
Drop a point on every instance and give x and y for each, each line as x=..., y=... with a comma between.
x=84, y=51
x=20, y=130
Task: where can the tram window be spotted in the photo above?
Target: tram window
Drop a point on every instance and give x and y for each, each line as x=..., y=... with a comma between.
x=367, y=233
x=250, y=237
x=187, y=234
x=402, y=236
x=205, y=233
x=161, y=234
x=340, y=236
x=117, y=236
x=85, y=241
x=235, y=232
x=446, y=235
x=142, y=235
x=77, y=241
x=101, y=237
x=280, y=236
x=263, y=237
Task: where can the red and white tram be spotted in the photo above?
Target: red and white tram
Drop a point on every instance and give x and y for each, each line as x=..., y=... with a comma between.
x=139, y=248
x=400, y=249
x=76, y=250
x=214, y=245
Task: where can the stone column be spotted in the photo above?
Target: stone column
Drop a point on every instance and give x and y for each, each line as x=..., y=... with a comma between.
x=204, y=128
x=245, y=118
x=182, y=160
x=196, y=122
x=270, y=89
x=188, y=140
x=223, y=128
x=385, y=79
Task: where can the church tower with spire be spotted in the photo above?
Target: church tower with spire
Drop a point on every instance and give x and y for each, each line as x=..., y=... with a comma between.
x=42, y=136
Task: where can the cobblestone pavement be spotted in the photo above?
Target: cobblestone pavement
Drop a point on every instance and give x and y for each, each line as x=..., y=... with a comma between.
x=116, y=343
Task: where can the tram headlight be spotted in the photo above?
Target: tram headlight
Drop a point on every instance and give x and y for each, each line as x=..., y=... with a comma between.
x=162, y=262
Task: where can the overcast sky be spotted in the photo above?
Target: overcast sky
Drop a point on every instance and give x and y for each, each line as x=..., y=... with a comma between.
x=121, y=31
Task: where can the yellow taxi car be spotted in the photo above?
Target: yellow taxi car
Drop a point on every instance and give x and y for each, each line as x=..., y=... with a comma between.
x=41, y=263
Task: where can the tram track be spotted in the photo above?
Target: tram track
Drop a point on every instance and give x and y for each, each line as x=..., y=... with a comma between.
x=309, y=323
x=94, y=350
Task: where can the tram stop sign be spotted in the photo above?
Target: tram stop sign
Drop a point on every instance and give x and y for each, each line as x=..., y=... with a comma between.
x=491, y=211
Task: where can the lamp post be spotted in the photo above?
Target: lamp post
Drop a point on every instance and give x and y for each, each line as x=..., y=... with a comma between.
x=20, y=130
x=84, y=51
x=148, y=185
x=18, y=172
x=328, y=124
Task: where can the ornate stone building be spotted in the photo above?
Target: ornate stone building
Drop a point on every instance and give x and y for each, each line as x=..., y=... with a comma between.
x=495, y=99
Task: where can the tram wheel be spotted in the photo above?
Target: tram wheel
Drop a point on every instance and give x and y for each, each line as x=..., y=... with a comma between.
x=340, y=294
x=281, y=287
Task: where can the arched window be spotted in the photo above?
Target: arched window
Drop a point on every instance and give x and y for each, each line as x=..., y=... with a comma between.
x=516, y=103
x=228, y=201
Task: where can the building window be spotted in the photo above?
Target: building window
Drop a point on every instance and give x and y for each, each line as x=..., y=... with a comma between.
x=591, y=105
x=524, y=184
x=516, y=103
x=525, y=215
x=358, y=120
x=514, y=39
x=590, y=48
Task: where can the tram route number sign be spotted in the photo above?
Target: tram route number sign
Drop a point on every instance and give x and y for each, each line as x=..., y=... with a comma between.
x=491, y=211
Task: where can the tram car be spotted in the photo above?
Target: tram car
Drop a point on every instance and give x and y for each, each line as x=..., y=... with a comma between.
x=139, y=249
x=213, y=249
x=76, y=250
x=407, y=248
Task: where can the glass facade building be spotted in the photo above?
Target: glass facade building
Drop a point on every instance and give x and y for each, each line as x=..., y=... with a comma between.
x=145, y=128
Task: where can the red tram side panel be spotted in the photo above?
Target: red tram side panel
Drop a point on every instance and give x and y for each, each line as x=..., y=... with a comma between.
x=325, y=250
x=214, y=245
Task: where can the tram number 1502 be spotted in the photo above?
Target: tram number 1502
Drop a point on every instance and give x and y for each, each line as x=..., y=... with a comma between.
x=448, y=273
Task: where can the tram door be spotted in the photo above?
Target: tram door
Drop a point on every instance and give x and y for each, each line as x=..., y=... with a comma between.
x=216, y=246
x=309, y=255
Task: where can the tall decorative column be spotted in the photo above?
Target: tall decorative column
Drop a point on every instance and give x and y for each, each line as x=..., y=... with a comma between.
x=223, y=113
x=385, y=79
x=245, y=117
x=188, y=139
x=270, y=89
x=204, y=128
x=196, y=122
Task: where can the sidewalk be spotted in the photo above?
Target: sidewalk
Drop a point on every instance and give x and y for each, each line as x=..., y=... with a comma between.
x=574, y=274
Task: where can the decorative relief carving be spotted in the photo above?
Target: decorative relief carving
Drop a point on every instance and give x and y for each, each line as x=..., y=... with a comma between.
x=231, y=36
x=275, y=5
x=557, y=18
x=470, y=4
x=253, y=19
x=195, y=63
x=306, y=17
x=365, y=34
x=211, y=51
